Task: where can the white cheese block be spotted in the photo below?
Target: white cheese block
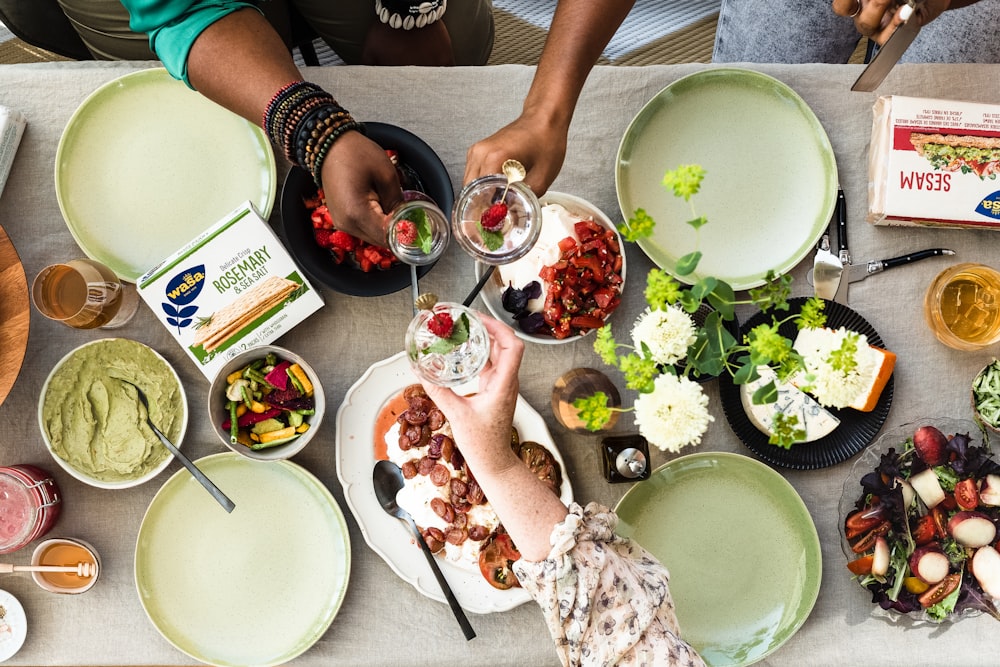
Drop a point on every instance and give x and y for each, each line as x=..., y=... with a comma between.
x=813, y=417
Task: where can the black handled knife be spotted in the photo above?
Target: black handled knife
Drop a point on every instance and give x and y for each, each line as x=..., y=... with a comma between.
x=861, y=271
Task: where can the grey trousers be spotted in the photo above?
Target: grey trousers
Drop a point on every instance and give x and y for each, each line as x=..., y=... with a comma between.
x=343, y=24
x=807, y=31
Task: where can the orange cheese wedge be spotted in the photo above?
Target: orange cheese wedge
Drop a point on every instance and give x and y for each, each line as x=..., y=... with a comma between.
x=867, y=400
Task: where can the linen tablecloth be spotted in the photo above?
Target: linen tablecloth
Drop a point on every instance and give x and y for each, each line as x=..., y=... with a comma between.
x=384, y=621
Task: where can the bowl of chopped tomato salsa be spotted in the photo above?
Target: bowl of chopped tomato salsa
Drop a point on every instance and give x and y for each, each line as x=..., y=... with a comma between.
x=338, y=260
x=570, y=282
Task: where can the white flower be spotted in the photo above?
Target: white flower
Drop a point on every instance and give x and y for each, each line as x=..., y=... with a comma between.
x=674, y=414
x=667, y=333
x=830, y=386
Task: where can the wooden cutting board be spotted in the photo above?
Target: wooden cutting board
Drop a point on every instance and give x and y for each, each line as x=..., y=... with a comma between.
x=15, y=314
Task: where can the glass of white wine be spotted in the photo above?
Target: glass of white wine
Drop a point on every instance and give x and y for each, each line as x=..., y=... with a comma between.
x=84, y=294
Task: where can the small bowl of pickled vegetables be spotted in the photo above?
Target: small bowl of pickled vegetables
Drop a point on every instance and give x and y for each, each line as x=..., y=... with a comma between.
x=986, y=396
x=266, y=403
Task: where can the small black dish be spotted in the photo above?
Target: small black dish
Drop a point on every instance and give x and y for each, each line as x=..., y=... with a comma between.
x=856, y=430
x=297, y=230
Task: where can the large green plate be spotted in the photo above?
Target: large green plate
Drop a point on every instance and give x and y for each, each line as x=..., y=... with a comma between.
x=771, y=180
x=255, y=587
x=145, y=164
x=742, y=551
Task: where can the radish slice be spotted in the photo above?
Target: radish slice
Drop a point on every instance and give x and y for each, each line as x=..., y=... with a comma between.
x=880, y=559
x=989, y=492
x=929, y=564
x=927, y=486
x=986, y=568
x=972, y=529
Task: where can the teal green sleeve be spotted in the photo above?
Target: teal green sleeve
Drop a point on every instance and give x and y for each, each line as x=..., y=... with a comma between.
x=174, y=25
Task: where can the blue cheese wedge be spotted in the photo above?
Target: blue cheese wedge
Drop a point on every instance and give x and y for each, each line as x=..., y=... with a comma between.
x=813, y=417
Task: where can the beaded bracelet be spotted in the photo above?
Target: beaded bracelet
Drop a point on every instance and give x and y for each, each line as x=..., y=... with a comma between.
x=408, y=15
x=303, y=120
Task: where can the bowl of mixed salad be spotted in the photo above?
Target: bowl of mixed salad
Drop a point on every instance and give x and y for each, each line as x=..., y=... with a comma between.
x=920, y=511
x=266, y=403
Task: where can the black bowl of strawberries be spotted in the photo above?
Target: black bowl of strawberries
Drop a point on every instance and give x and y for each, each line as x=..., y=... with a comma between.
x=338, y=260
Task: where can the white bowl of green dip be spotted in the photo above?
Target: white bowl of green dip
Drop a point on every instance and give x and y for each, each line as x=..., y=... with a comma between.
x=92, y=422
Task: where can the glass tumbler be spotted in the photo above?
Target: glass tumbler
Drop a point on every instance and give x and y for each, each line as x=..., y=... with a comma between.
x=84, y=294
x=447, y=344
x=418, y=230
x=520, y=225
x=962, y=306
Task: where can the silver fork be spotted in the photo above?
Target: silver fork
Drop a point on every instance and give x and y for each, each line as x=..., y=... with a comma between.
x=224, y=500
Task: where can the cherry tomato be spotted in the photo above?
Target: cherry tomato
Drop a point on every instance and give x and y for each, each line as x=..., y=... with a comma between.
x=966, y=494
x=925, y=531
x=861, y=521
x=868, y=541
x=941, y=590
x=862, y=565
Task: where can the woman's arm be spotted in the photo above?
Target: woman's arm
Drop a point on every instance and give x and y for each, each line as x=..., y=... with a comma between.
x=481, y=425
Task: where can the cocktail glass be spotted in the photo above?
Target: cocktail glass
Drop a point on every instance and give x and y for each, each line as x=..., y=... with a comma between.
x=447, y=360
x=520, y=226
x=417, y=234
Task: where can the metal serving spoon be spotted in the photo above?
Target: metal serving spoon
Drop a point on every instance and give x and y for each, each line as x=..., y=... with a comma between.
x=226, y=503
x=388, y=480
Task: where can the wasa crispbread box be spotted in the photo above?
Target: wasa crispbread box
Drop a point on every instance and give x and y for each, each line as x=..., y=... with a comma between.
x=232, y=288
x=934, y=163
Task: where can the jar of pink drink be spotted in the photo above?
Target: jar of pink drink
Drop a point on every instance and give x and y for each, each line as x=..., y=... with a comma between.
x=29, y=505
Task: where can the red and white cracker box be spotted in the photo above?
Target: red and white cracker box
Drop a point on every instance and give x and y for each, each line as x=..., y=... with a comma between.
x=934, y=163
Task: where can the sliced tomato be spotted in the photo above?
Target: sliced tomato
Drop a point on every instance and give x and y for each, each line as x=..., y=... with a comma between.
x=867, y=541
x=925, y=530
x=861, y=521
x=507, y=548
x=949, y=502
x=941, y=590
x=940, y=516
x=567, y=243
x=862, y=565
x=495, y=567
x=967, y=494
x=586, y=322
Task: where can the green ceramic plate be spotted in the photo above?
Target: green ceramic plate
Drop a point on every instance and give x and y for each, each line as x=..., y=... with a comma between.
x=145, y=164
x=255, y=587
x=771, y=180
x=742, y=550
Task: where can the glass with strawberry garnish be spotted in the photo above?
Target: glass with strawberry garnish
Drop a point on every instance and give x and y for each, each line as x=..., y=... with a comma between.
x=496, y=219
x=418, y=230
x=447, y=343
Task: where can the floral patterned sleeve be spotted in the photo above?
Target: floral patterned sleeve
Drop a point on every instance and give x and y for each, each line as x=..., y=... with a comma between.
x=605, y=598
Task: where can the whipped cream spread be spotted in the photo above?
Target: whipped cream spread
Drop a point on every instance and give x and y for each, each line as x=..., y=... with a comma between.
x=557, y=224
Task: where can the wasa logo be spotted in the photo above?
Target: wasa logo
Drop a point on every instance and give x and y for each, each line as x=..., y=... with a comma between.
x=181, y=290
x=990, y=205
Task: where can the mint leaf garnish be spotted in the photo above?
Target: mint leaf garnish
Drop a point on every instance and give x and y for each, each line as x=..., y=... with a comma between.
x=492, y=240
x=459, y=334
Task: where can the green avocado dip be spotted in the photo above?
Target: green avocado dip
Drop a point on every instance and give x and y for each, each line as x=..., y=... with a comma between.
x=96, y=423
